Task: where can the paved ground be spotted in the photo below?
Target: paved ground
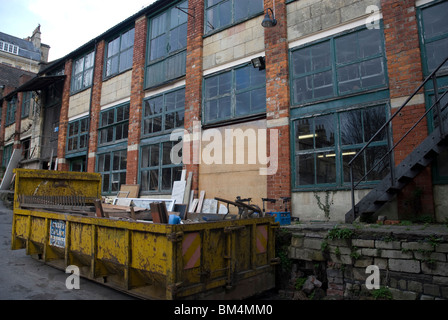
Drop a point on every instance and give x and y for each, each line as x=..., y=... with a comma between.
x=24, y=278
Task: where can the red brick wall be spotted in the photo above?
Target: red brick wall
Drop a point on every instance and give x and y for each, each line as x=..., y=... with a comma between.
x=137, y=95
x=193, y=91
x=277, y=102
x=95, y=105
x=405, y=75
x=63, y=119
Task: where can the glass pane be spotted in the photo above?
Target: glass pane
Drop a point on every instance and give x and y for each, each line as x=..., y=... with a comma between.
x=180, y=116
x=321, y=56
x=372, y=73
x=107, y=162
x=166, y=179
x=176, y=65
x=434, y=20
x=154, y=152
x=158, y=47
x=442, y=164
x=126, y=59
x=177, y=174
x=436, y=53
x=158, y=25
x=324, y=131
x=79, y=66
x=225, y=13
x=373, y=156
x=89, y=60
x=303, y=89
x=83, y=141
x=156, y=124
x=144, y=180
x=358, y=165
x=113, y=47
x=258, y=98
x=349, y=79
x=242, y=78
x=346, y=48
x=351, y=127
x=241, y=9
x=169, y=121
x=166, y=158
x=211, y=87
x=145, y=157
x=211, y=110
x=225, y=83
x=301, y=60
x=326, y=167
x=323, y=84
x=224, y=108
x=374, y=118
x=154, y=180
x=106, y=182
x=305, y=169
x=304, y=134
x=88, y=77
x=369, y=42
x=242, y=103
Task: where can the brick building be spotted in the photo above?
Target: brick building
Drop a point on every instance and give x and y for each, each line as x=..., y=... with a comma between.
x=311, y=88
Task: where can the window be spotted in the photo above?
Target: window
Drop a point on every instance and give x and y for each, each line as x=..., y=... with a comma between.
x=324, y=145
x=236, y=93
x=164, y=112
x=120, y=53
x=114, y=124
x=11, y=111
x=167, y=44
x=222, y=13
x=78, y=132
x=7, y=152
x=338, y=66
x=10, y=48
x=434, y=35
x=26, y=147
x=27, y=98
x=83, y=72
x=112, y=166
x=157, y=172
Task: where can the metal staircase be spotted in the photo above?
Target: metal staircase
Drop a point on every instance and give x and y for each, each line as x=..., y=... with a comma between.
x=421, y=157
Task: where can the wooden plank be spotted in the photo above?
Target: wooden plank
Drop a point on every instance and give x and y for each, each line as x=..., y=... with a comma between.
x=12, y=164
x=178, y=191
x=201, y=201
x=193, y=205
x=133, y=189
x=188, y=188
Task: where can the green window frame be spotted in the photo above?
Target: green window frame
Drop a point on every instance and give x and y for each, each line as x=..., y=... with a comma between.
x=220, y=14
x=7, y=153
x=338, y=66
x=324, y=144
x=82, y=74
x=433, y=35
x=234, y=93
x=11, y=111
x=157, y=172
x=78, y=135
x=114, y=125
x=112, y=166
x=27, y=98
x=119, y=55
x=163, y=113
x=167, y=43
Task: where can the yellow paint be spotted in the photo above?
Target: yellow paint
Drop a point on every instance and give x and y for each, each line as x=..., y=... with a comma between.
x=144, y=259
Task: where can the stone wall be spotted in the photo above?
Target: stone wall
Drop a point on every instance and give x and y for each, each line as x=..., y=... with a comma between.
x=412, y=260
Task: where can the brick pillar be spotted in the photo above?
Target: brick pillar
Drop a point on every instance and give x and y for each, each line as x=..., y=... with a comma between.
x=95, y=106
x=63, y=119
x=405, y=75
x=277, y=103
x=137, y=95
x=193, y=91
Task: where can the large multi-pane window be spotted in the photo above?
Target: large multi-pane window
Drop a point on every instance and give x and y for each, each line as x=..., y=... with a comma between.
x=77, y=135
x=434, y=35
x=325, y=144
x=120, y=53
x=27, y=98
x=157, y=172
x=338, y=66
x=167, y=45
x=11, y=111
x=114, y=124
x=7, y=152
x=82, y=76
x=112, y=166
x=235, y=93
x=222, y=13
x=164, y=112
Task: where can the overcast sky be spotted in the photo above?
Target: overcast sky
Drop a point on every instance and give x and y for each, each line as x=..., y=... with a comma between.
x=65, y=25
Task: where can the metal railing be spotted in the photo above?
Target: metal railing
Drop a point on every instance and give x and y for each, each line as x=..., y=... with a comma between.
x=387, y=126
